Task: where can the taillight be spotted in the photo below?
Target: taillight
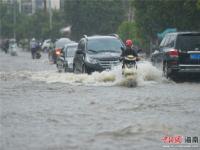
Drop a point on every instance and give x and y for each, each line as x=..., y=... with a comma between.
x=173, y=53
x=58, y=51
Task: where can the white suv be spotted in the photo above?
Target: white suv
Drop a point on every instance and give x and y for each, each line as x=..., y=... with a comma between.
x=46, y=44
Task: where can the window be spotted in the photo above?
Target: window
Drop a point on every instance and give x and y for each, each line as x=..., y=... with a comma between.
x=71, y=51
x=167, y=41
x=188, y=42
x=105, y=45
x=164, y=42
x=172, y=41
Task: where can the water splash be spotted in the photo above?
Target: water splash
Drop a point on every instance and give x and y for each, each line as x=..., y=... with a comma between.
x=145, y=74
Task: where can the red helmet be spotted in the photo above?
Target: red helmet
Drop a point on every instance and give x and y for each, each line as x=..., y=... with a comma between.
x=129, y=43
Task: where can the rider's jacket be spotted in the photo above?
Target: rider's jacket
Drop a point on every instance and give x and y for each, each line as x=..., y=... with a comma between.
x=129, y=51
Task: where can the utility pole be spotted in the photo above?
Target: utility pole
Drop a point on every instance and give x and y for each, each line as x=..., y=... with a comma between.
x=1, y=3
x=45, y=6
x=50, y=15
x=14, y=19
x=0, y=27
x=20, y=6
x=33, y=6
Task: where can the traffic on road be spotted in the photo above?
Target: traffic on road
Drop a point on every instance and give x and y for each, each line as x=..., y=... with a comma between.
x=99, y=74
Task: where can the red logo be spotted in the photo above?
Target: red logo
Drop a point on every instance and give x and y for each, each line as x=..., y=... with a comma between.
x=172, y=139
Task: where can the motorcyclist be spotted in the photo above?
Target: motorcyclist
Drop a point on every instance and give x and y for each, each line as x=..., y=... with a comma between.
x=34, y=46
x=6, y=46
x=130, y=50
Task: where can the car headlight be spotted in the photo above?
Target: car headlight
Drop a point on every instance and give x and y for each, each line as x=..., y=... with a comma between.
x=91, y=60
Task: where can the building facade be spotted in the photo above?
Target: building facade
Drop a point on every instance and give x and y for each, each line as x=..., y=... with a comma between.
x=31, y=6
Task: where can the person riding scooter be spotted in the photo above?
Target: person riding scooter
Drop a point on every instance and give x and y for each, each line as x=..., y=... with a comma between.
x=35, y=48
x=130, y=50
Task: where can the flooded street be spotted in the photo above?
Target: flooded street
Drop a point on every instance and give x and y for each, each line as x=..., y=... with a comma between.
x=42, y=109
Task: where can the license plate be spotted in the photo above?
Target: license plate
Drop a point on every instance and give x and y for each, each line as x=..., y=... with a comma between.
x=194, y=56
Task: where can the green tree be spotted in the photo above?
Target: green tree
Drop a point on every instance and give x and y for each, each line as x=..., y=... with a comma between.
x=154, y=16
x=39, y=27
x=129, y=30
x=28, y=26
x=93, y=16
x=198, y=4
x=6, y=19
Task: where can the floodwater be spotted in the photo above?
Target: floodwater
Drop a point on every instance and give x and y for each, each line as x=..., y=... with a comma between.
x=42, y=109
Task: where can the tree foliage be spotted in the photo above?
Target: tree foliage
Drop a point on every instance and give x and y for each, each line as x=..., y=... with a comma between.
x=6, y=20
x=104, y=17
x=129, y=30
x=28, y=26
x=198, y=4
x=154, y=16
x=93, y=16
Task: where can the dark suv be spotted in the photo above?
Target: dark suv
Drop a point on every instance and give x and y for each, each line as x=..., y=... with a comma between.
x=97, y=53
x=178, y=52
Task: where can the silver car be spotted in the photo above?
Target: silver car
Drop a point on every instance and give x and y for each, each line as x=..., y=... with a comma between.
x=65, y=60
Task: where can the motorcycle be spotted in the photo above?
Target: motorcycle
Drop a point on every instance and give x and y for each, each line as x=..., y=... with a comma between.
x=37, y=55
x=129, y=65
x=36, y=52
x=13, y=49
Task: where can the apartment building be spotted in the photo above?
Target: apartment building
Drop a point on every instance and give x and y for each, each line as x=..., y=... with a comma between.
x=31, y=6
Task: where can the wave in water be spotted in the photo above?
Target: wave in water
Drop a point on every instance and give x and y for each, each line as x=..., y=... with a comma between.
x=145, y=74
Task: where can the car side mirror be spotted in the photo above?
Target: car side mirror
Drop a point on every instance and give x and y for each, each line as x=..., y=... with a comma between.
x=122, y=48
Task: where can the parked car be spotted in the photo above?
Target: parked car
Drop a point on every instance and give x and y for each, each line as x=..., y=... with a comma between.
x=178, y=53
x=65, y=60
x=46, y=44
x=97, y=53
x=59, y=44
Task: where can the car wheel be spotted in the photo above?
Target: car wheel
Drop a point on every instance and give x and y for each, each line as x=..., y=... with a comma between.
x=60, y=66
x=165, y=70
x=84, y=69
x=75, y=69
x=65, y=69
x=59, y=69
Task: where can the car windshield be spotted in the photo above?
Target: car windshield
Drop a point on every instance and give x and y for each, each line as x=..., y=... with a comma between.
x=71, y=51
x=104, y=45
x=188, y=42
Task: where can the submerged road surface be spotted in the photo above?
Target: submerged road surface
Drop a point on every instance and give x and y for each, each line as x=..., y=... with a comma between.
x=42, y=109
